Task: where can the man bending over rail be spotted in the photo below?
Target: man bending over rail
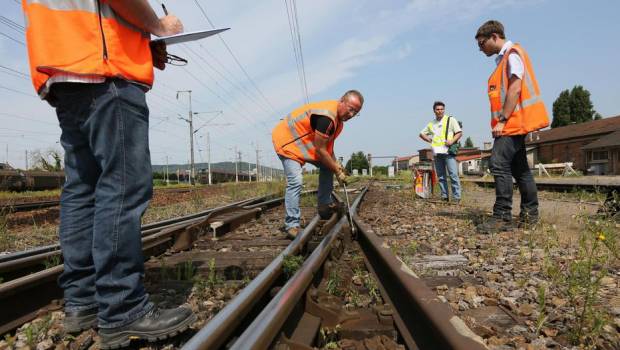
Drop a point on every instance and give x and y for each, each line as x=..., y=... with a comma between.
x=307, y=135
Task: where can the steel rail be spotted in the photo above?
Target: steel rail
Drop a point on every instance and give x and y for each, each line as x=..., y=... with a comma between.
x=422, y=319
x=39, y=256
x=219, y=329
x=266, y=326
x=24, y=297
x=17, y=207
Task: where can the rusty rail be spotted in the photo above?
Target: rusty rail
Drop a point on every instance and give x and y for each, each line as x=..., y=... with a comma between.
x=21, y=263
x=219, y=329
x=263, y=330
x=23, y=298
x=422, y=319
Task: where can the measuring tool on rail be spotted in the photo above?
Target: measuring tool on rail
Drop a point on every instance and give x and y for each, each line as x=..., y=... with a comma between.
x=346, y=197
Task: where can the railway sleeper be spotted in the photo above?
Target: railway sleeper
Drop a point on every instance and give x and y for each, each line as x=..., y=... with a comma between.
x=342, y=307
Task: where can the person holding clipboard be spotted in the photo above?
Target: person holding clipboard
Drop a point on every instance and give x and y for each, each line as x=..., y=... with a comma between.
x=94, y=66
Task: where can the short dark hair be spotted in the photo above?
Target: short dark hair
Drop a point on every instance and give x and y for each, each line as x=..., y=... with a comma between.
x=438, y=103
x=489, y=28
x=354, y=93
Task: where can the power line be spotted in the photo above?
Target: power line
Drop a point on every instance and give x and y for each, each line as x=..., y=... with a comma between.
x=221, y=99
x=17, y=91
x=235, y=58
x=12, y=24
x=249, y=96
x=291, y=12
x=241, y=87
x=26, y=118
x=301, y=54
x=224, y=91
x=15, y=72
x=11, y=38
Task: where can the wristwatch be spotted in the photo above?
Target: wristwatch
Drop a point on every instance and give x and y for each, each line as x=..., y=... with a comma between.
x=502, y=118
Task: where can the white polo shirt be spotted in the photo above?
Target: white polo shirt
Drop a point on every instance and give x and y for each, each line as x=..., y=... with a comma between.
x=434, y=128
x=515, y=64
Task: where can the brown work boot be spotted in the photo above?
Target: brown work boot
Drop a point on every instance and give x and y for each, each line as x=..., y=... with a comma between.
x=292, y=232
x=495, y=225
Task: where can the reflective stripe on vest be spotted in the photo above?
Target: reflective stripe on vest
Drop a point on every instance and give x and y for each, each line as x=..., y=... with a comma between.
x=293, y=137
x=529, y=113
x=84, y=38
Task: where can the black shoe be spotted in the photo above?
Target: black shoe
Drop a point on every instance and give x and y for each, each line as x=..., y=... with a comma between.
x=157, y=324
x=495, y=225
x=77, y=321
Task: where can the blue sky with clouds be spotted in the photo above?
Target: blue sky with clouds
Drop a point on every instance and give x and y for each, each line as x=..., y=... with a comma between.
x=402, y=55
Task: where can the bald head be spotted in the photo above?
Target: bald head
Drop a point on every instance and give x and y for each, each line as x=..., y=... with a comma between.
x=350, y=105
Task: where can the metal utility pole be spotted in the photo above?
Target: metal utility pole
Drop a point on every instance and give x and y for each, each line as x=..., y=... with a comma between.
x=257, y=164
x=249, y=172
x=26, y=159
x=209, y=157
x=167, y=176
x=370, y=164
x=191, y=134
x=237, y=154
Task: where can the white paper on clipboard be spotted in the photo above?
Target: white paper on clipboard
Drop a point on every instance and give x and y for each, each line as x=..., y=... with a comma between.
x=190, y=36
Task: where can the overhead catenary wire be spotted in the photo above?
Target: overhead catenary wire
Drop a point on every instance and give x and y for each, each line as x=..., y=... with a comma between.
x=232, y=83
x=291, y=11
x=14, y=72
x=12, y=38
x=222, y=99
x=235, y=58
x=221, y=88
x=241, y=87
x=12, y=24
x=17, y=91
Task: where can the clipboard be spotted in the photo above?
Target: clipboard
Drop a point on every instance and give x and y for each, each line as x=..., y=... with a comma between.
x=189, y=36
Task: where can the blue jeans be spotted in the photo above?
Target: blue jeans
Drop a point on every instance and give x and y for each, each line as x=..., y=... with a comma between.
x=107, y=189
x=447, y=162
x=508, y=160
x=294, y=182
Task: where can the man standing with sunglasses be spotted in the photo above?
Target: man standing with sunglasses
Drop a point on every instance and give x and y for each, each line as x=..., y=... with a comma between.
x=92, y=61
x=516, y=110
x=307, y=135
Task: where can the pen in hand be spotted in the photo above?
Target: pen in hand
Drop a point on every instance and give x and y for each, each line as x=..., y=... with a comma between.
x=165, y=10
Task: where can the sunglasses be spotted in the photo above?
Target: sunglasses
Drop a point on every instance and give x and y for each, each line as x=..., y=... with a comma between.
x=482, y=42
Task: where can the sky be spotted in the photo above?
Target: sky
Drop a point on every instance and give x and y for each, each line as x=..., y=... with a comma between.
x=402, y=56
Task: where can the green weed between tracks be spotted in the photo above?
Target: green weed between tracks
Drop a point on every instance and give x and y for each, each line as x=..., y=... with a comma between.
x=578, y=275
x=291, y=263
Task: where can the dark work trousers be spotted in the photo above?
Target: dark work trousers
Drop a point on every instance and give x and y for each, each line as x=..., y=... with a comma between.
x=108, y=186
x=508, y=160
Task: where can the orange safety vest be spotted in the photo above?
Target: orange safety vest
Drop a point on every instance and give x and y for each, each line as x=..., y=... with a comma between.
x=293, y=137
x=84, y=38
x=530, y=113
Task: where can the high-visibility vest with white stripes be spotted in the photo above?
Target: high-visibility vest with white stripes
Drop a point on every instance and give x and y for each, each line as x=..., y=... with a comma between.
x=84, y=37
x=530, y=113
x=293, y=137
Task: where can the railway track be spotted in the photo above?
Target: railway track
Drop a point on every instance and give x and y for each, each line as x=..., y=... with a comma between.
x=28, y=206
x=28, y=290
x=320, y=304
x=319, y=290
